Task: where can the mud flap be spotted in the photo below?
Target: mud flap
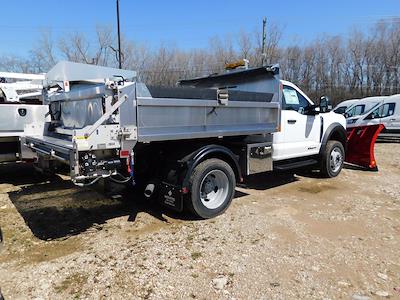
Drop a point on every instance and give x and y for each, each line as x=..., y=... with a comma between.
x=171, y=196
x=360, y=146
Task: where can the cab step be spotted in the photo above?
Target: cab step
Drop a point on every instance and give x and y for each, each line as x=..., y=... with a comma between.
x=295, y=164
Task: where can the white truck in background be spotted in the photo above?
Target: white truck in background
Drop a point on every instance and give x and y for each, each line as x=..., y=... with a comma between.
x=21, y=87
x=21, y=99
x=344, y=105
x=386, y=111
x=188, y=145
x=361, y=107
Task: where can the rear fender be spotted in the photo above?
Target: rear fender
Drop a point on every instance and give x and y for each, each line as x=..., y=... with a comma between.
x=210, y=151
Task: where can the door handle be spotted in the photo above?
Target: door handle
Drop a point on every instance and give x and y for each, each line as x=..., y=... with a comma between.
x=291, y=121
x=392, y=120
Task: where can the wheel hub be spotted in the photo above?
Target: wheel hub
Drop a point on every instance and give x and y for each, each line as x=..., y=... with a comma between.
x=214, y=189
x=336, y=159
x=209, y=186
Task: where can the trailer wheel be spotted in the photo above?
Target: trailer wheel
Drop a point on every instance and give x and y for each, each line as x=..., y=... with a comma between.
x=212, y=186
x=333, y=159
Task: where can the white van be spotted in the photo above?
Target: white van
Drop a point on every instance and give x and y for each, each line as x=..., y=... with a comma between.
x=344, y=105
x=387, y=112
x=361, y=107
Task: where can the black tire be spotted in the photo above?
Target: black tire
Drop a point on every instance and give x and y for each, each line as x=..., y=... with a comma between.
x=332, y=159
x=204, y=173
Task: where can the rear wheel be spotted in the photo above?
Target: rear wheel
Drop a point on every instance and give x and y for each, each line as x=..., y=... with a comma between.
x=333, y=159
x=212, y=186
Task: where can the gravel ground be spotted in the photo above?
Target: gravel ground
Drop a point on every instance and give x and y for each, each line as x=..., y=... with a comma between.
x=285, y=236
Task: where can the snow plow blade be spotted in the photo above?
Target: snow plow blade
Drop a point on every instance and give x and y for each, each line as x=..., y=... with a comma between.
x=360, y=146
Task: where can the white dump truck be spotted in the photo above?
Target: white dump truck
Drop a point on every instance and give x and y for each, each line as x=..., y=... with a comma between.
x=190, y=144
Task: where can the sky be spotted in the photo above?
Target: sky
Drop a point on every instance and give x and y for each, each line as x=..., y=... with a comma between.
x=185, y=24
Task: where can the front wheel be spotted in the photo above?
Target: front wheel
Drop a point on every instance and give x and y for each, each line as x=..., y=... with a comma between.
x=212, y=186
x=332, y=159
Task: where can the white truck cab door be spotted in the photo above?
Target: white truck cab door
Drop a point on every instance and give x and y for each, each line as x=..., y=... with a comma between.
x=300, y=133
x=390, y=117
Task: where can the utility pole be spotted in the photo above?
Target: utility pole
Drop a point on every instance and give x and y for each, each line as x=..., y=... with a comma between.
x=119, y=38
x=264, y=38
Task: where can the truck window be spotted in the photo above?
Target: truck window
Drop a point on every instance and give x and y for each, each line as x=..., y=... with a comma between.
x=293, y=100
x=356, y=110
x=388, y=110
x=375, y=113
x=383, y=111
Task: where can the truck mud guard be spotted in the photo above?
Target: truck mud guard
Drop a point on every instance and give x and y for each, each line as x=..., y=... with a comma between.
x=360, y=146
x=197, y=156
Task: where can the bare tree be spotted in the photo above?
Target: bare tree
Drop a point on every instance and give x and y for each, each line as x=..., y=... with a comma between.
x=363, y=64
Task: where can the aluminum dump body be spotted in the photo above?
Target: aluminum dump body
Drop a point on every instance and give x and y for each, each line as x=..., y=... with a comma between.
x=197, y=112
x=98, y=109
x=251, y=104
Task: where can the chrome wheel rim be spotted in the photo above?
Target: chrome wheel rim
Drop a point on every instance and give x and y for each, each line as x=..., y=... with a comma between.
x=214, y=189
x=336, y=159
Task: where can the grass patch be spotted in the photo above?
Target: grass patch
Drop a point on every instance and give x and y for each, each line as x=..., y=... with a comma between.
x=72, y=283
x=196, y=255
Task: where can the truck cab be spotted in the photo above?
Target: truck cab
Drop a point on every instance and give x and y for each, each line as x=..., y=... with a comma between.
x=304, y=131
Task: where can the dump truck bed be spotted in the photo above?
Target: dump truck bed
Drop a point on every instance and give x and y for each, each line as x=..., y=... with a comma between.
x=161, y=119
x=243, y=102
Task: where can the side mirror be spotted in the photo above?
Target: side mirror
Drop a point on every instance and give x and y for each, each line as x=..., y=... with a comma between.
x=311, y=110
x=325, y=104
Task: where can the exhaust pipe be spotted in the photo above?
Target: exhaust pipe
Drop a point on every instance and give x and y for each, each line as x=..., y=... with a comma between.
x=149, y=190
